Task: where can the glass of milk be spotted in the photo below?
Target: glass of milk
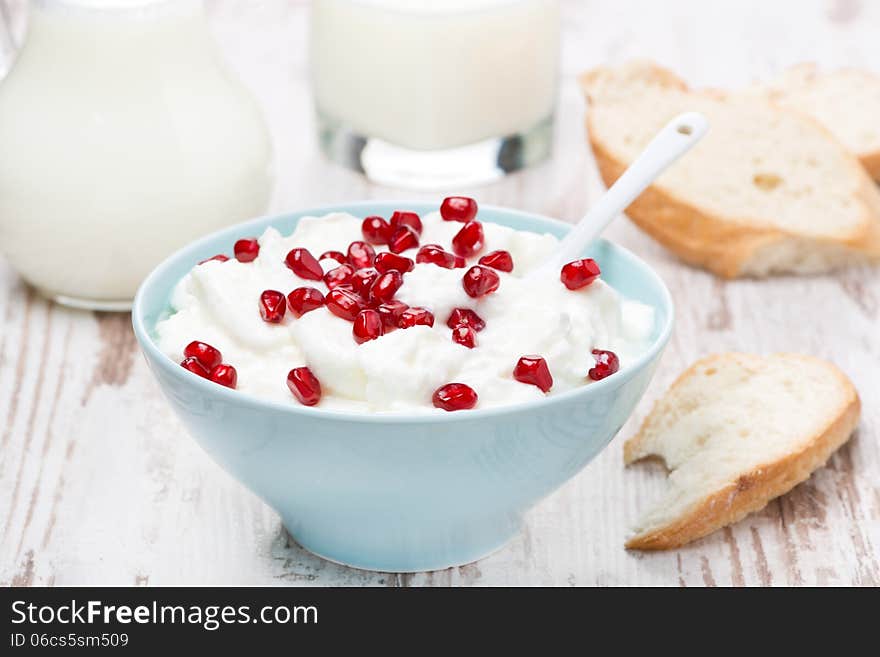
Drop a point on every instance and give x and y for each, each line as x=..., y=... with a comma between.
x=435, y=94
x=123, y=136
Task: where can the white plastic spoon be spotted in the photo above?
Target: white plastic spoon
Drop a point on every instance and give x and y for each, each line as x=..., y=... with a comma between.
x=673, y=141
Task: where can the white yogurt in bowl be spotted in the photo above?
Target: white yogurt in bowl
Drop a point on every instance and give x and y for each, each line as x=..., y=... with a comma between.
x=218, y=303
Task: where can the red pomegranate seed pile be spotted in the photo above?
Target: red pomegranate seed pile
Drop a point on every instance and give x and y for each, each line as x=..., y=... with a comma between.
x=362, y=289
x=207, y=361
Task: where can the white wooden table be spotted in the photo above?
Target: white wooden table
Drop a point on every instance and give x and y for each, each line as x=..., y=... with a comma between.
x=99, y=483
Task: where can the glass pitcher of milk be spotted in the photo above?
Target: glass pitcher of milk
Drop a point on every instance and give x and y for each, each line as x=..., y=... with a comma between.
x=123, y=136
x=435, y=94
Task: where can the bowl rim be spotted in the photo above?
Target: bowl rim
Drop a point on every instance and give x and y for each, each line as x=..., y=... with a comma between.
x=153, y=353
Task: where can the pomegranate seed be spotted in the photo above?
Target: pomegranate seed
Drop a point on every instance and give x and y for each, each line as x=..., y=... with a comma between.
x=304, y=299
x=464, y=335
x=302, y=263
x=363, y=280
x=404, y=238
x=469, y=240
x=385, y=286
x=338, y=256
x=465, y=317
x=500, y=260
x=607, y=363
x=579, y=273
x=390, y=313
x=340, y=275
x=415, y=316
x=533, y=370
x=272, y=306
x=360, y=254
x=192, y=364
x=458, y=208
x=367, y=326
x=208, y=356
x=304, y=385
x=479, y=280
x=225, y=375
x=344, y=303
x=386, y=261
x=246, y=250
x=219, y=258
x=376, y=230
x=435, y=255
x=411, y=219
x=455, y=397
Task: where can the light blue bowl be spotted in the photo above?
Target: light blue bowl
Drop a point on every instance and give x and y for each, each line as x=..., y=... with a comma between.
x=398, y=492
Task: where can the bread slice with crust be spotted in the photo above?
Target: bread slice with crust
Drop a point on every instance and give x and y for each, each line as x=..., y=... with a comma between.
x=845, y=101
x=735, y=431
x=766, y=191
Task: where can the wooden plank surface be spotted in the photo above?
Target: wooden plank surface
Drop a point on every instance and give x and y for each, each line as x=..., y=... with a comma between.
x=99, y=483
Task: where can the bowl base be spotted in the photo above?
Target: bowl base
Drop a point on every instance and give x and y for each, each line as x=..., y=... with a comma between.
x=400, y=558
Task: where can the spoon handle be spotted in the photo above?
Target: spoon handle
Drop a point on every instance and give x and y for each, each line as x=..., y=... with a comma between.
x=673, y=141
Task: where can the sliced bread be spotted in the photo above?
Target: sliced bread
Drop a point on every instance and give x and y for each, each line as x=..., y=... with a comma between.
x=845, y=101
x=735, y=431
x=766, y=191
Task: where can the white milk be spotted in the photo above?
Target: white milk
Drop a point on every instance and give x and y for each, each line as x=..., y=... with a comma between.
x=431, y=74
x=122, y=137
